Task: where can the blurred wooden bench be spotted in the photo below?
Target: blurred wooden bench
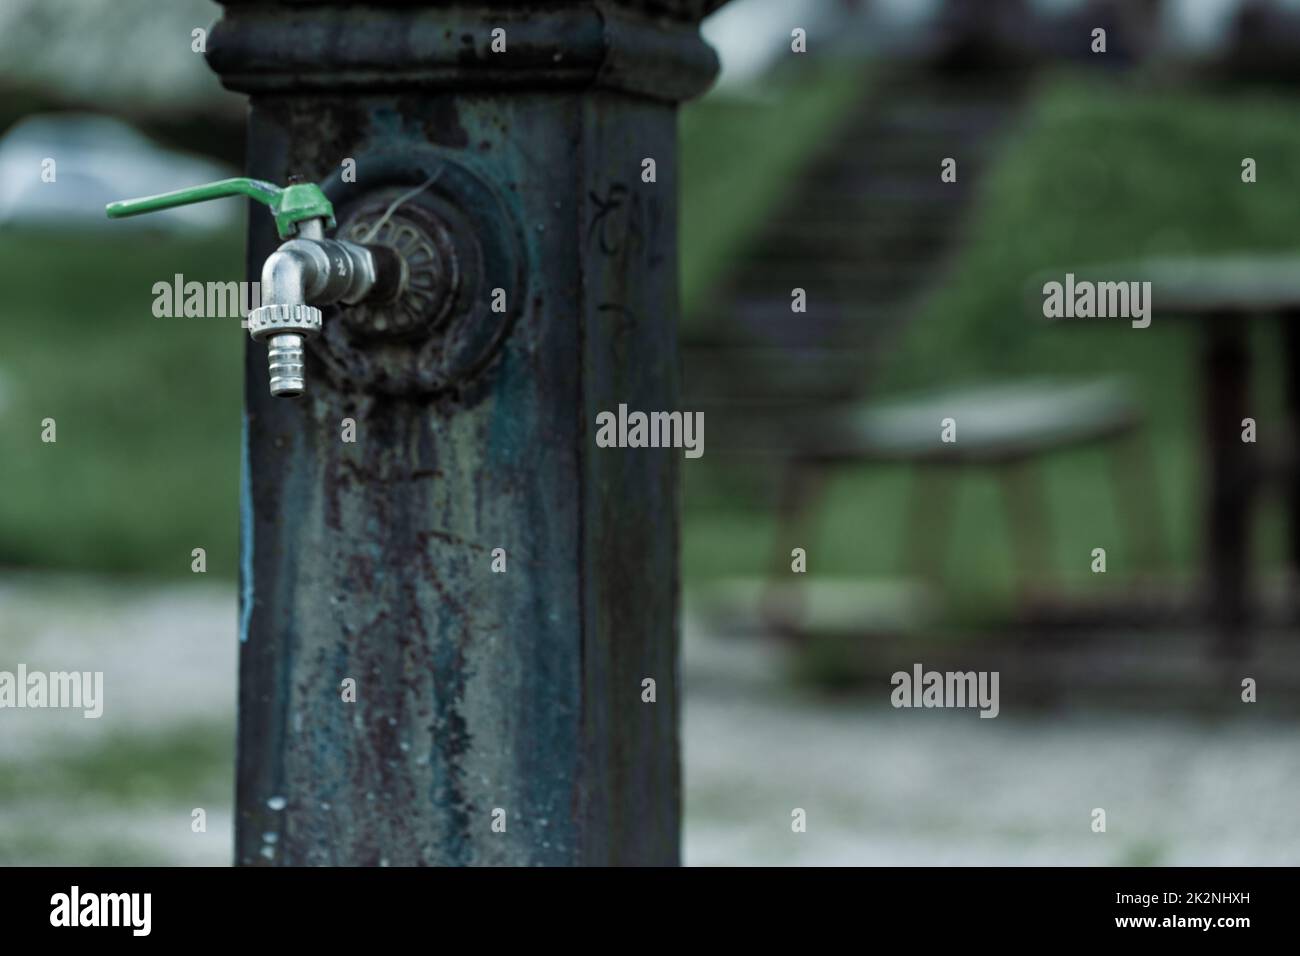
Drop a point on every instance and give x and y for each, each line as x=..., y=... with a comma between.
x=805, y=414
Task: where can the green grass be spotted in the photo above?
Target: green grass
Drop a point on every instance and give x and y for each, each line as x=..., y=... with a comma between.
x=1102, y=173
x=1098, y=173
x=147, y=410
x=130, y=769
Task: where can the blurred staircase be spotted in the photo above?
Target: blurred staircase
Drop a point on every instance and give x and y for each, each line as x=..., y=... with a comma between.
x=867, y=228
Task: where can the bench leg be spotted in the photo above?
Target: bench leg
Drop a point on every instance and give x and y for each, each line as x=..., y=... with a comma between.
x=1025, y=504
x=929, y=517
x=802, y=484
x=1291, y=371
x=1227, y=379
x=1137, y=502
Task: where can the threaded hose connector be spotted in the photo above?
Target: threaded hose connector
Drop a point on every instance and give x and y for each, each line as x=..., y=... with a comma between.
x=284, y=355
x=284, y=326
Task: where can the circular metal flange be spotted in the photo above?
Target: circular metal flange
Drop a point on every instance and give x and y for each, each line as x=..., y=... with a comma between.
x=432, y=268
x=459, y=242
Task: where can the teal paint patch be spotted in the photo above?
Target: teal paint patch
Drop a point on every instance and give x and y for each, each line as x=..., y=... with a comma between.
x=245, y=534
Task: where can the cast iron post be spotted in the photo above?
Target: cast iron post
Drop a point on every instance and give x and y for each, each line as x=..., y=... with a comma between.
x=498, y=717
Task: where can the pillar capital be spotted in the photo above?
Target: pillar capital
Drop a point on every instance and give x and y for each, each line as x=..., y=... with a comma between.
x=650, y=48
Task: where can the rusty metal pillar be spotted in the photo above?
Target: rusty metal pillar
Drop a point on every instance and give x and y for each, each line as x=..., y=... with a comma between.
x=498, y=717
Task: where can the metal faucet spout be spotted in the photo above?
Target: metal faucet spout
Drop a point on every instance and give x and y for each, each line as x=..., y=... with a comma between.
x=299, y=277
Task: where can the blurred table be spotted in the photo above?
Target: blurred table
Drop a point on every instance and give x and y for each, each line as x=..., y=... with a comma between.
x=1224, y=294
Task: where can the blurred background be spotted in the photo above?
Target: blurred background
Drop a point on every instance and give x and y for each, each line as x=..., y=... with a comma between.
x=818, y=171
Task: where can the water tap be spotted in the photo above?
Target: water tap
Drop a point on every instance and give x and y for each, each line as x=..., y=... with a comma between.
x=304, y=273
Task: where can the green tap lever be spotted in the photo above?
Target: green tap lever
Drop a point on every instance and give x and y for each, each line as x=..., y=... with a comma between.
x=289, y=205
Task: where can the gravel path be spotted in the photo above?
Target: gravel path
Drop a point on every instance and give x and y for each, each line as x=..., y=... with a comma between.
x=878, y=786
